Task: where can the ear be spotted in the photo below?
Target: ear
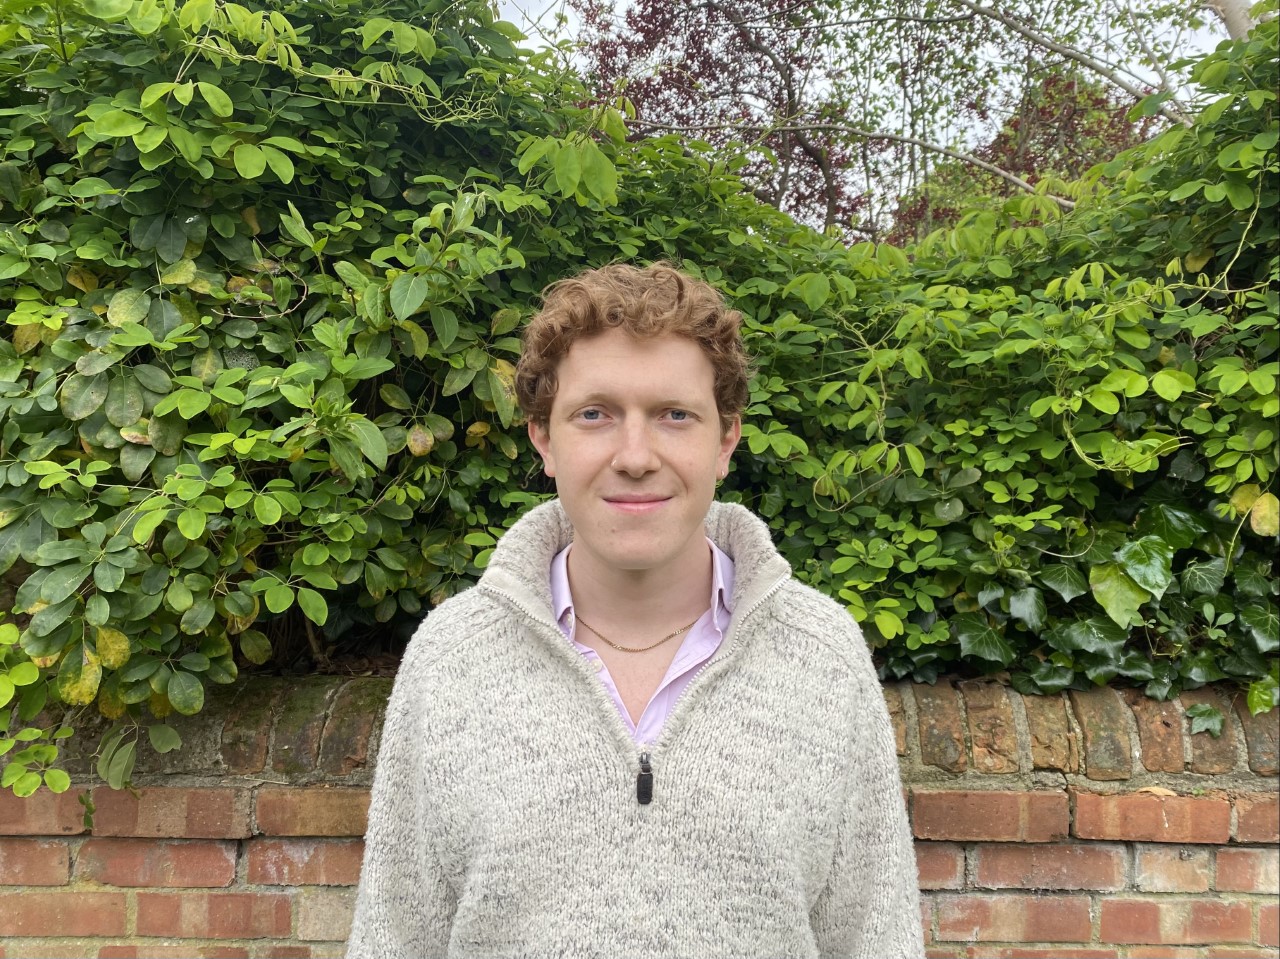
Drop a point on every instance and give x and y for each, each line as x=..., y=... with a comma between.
x=540, y=436
x=728, y=442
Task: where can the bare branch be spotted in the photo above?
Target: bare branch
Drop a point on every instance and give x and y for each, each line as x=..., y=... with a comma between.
x=1168, y=110
x=1234, y=15
x=969, y=158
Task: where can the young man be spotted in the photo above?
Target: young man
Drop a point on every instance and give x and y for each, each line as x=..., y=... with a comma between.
x=638, y=735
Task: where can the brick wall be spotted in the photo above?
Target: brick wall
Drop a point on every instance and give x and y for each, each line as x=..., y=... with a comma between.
x=1087, y=824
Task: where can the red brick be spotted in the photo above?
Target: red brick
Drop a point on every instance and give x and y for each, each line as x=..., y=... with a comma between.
x=1161, y=952
x=941, y=724
x=145, y=862
x=1143, y=817
x=1053, y=740
x=1249, y=870
x=71, y=913
x=214, y=915
x=1022, y=952
x=1258, y=818
x=1268, y=924
x=57, y=814
x=1161, y=868
x=1261, y=733
x=288, y=952
x=34, y=862
x=940, y=865
x=1014, y=919
x=1105, y=723
x=1209, y=755
x=312, y=811
x=1050, y=866
x=1238, y=952
x=897, y=716
x=213, y=813
x=304, y=862
x=926, y=917
x=170, y=951
x=1160, y=726
x=992, y=738
x=1184, y=922
x=991, y=815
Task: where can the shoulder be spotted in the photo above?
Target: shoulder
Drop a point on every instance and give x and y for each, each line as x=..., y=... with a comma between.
x=448, y=631
x=816, y=625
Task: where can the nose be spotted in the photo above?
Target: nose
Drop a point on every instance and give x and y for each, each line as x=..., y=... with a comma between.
x=636, y=454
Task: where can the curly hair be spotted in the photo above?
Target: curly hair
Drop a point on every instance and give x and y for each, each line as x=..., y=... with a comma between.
x=650, y=302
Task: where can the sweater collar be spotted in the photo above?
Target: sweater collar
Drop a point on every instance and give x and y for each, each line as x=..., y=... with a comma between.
x=532, y=543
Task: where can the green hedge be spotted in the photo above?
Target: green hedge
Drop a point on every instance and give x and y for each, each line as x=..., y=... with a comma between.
x=262, y=270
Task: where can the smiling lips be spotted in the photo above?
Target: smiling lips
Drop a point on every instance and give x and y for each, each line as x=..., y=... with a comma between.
x=636, y=502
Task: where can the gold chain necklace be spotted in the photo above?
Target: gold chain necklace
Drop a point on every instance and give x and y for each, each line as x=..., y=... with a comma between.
x=634, y=649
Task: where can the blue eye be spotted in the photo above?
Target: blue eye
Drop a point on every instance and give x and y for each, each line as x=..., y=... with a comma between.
x=590, y=416
x=680, y=416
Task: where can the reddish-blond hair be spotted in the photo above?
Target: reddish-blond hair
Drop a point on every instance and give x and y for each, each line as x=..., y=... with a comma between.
x=645, y=303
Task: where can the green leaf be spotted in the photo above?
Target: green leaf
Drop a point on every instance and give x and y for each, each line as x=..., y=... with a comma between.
x=191, y=523
x=1176, y=527
x=978, y=639
x=1171, y=384
x=568, y=169
x=1263, y=623
x=57, y=780
x=1117, y=593
x=1067, y=581
x=249, y=161
x=218, y=101
x=278, y=598
x=164, y=738
x=313, y=605
x=124, y=402
x=279, y=163
x=185, y=692
x=408, y=292
x=370, y=441
x=128, y=306
x=268, y=511
x=1149, y=563
x=1098, y=636
x=1205, y=718
x=1029, y=606
x=1204, y=578
x=82, y=395
x=255, y=646
x=117, y=123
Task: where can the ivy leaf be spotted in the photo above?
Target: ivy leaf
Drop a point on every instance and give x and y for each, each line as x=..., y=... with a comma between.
x=978, y=638
x=1096, y=635
x=1028, y=605
x=1204, y=578
x=1067, y=581
x=1117, y=593
x=1263, y=624
x=1149, y=563
x=1176, y=527
x=1205, y=718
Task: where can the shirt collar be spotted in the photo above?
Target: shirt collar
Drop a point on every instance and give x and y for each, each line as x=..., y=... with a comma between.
x=722, y=574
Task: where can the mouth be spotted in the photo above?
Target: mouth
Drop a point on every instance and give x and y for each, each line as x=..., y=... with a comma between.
x=637, y=503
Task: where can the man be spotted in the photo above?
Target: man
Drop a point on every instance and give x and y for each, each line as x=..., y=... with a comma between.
x=637, y=735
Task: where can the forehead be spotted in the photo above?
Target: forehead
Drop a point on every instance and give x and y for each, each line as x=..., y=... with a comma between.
x=614, y=362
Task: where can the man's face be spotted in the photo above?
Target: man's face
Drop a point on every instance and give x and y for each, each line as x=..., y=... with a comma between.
x=635, y=446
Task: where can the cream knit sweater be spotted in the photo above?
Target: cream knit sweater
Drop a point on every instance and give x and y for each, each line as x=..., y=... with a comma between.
x=505, y=818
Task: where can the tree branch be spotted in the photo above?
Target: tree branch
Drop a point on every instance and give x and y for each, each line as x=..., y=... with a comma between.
x=1010, y=178
x=1168, y=110
x=1234, y=15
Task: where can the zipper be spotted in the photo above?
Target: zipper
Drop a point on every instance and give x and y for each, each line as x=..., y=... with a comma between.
x=644, y=779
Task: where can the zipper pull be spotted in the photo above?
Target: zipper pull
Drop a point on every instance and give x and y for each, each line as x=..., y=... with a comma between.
x=644, y=781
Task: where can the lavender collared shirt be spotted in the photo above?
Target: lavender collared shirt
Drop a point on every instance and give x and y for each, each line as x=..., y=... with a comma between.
x=699, y=644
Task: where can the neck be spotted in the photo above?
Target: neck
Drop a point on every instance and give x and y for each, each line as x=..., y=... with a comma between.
x=641, y=601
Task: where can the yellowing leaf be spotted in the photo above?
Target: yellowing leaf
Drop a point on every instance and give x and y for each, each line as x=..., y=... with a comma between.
x=82, y=279
x=1264, y=517
x=27, y=338
x=113, y=647
x=250, y=216
x=1243, y=498
x=79, y=676
x=420, y=441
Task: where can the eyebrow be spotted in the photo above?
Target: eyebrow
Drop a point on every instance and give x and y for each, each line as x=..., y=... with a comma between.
x=598, y=396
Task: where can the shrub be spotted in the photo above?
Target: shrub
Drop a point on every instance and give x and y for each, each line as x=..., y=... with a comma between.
x=262, y=270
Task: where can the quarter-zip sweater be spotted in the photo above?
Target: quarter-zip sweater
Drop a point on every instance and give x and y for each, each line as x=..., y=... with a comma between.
x=506, y=817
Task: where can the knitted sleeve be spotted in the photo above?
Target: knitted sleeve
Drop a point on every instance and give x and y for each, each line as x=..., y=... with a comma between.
x=404, y=904
x=870, y=907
